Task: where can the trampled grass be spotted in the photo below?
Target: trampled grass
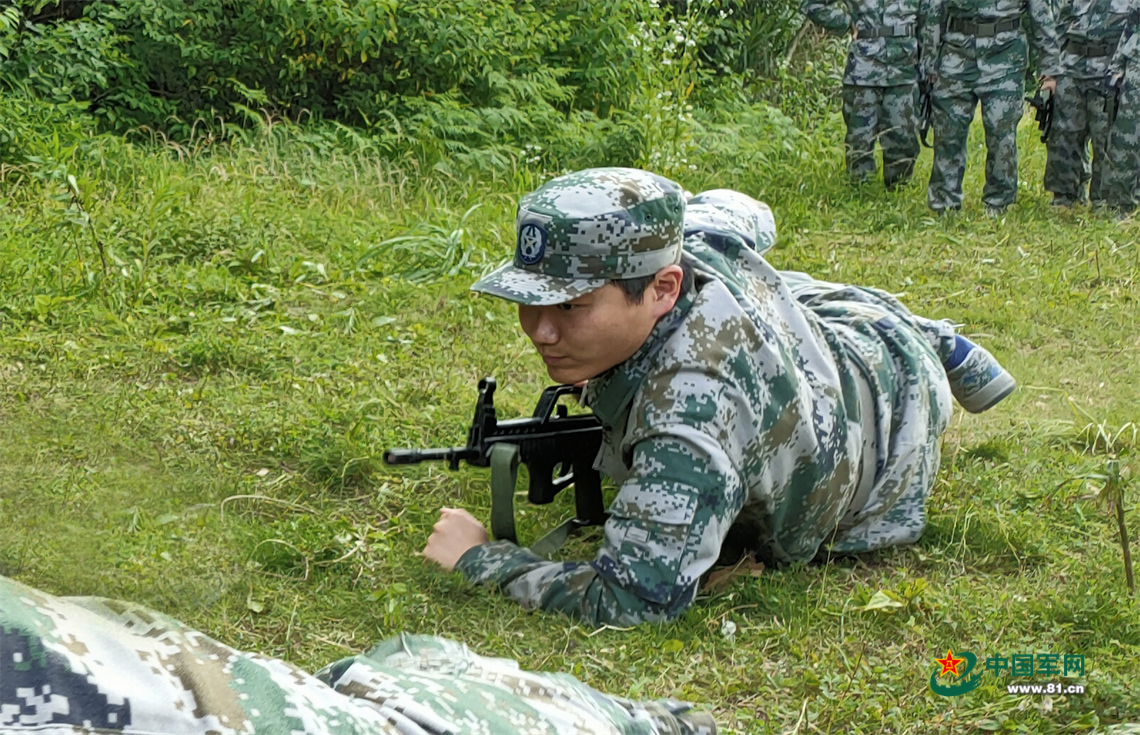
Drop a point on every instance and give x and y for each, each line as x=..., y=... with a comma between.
x=199, y=428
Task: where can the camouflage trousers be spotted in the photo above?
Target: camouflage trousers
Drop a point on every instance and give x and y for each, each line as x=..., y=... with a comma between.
x=72, y=665
x=954, y=103
x=1078, y=118
x=1121, y=189
x=886, y=115
x=898, y=357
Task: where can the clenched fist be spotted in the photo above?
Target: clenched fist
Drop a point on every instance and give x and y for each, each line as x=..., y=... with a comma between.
x=454, y=533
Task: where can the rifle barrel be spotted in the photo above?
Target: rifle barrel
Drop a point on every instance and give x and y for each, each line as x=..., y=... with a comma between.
x=415, y=456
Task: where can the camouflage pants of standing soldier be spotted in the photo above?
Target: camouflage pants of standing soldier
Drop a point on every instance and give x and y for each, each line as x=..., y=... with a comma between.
x=885, y=114
x=954, y=103
x=1078, y=117
x=83, y=665
x=1124, y=147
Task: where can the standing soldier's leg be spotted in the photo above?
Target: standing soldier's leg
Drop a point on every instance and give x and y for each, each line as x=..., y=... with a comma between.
x=899, y=133
x=860, y=113
x=1124, y=148
x=1002, y=106
x=1066, y=161
x=1099, y=130
x=954, y=107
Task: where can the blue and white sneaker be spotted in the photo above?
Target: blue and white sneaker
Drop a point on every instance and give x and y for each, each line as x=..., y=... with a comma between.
x=977, y=380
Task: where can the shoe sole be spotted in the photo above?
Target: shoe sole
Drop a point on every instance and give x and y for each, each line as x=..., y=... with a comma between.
x=989, y=396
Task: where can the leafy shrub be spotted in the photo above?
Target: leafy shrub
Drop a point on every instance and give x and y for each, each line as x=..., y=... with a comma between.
x=750, y=37
x=31, y=127
x=364, y=62
x=451, y=77
x=808, y=86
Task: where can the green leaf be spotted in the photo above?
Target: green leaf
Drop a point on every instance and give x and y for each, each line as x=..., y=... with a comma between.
x=880, y=601
x=253, y=605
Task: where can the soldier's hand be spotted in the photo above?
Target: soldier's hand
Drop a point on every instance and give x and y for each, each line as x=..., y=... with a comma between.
x=1114, y=79
x=1049, y=84
x=454, y=533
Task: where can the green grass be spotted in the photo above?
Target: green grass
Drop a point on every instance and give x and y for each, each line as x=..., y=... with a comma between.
x=199, y=429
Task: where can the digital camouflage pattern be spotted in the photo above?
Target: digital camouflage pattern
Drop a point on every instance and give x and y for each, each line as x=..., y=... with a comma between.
x=729, y=219
x=93, y=665
x=768, y=413
x=987, y=69
x=880, y=82
x=886, y=50
x=1090, y=34
x=1084, y=24
x=954, y=103
x=885, y=114
x=583, y=228
x=1124, y=139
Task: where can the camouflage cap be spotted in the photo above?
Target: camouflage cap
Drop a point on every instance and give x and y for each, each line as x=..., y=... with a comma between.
x=578, y=231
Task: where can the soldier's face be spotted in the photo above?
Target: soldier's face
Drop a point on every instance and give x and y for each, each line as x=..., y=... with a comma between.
x=583, y=338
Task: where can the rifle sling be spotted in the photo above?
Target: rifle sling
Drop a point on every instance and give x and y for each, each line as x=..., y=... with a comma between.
x=504, y=474
x=555, y=538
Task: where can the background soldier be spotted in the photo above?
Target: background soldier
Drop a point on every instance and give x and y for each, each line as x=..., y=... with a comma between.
x=982, y=58
x=880, y=85
x=1124, y=140
x=1091, y=33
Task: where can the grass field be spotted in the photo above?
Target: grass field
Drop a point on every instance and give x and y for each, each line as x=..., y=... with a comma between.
x=198, y=426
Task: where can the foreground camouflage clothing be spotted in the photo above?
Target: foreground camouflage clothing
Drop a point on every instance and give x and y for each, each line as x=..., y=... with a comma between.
x=768, y=413
x=984, y=64
x=880, y=82
x=1124, y=140
x=91, y=665
x=1091, y=31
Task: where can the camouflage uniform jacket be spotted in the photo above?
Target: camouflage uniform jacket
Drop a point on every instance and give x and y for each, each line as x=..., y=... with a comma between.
x=84, y=665
x=983, y=60
x=1128, y=50
x=880, y=61
x=740, y=411
x=1091, y=22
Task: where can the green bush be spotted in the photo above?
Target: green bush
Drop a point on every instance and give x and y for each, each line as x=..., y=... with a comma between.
x=34, y=128
x=459, y=84
x=170, y=63
x=750, y=37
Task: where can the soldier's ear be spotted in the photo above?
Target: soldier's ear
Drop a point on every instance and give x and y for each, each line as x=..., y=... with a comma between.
x=665, y=290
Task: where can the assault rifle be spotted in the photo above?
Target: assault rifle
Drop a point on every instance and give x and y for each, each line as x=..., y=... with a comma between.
x=1112, y=87
x=926, y=109
x=557, y=449
x=1042, y=104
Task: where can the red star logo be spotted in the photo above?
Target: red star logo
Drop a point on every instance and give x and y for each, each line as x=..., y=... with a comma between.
x=949, y=664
